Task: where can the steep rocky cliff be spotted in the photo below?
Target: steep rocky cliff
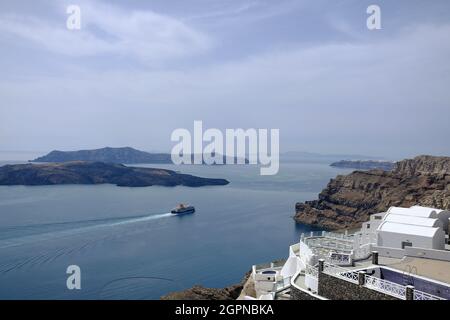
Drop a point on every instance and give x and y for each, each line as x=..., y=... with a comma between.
x=348, y=200
x=201, y=293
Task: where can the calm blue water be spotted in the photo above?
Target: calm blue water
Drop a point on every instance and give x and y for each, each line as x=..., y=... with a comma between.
x=129, y=247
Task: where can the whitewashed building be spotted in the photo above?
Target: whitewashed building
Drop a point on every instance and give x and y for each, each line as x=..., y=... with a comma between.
x=418, y=221
x=442, y=215
x=424, y=212
x=400, y=235
x=416, y=232
x=414, y=211
x=371, y=226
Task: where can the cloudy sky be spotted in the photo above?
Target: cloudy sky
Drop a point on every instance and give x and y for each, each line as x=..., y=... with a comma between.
x=137, y=70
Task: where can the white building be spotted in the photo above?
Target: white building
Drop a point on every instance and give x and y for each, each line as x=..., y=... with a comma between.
x=424, y=212
x=418, y=221
x=416, y=232
x=371, y=226
x=400, y=235
x=414, y=211
x=442, y=215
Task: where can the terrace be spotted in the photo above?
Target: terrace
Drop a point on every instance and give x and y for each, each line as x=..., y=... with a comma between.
x=371, y=279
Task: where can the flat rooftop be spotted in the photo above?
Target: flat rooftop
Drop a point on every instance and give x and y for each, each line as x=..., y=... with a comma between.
x=433, y=269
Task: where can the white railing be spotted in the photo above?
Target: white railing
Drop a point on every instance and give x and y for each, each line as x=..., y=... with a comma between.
x=365, y=238
x=386, y=287
x=340, y=259
x=323, y=234
x=278, y=263
x=359, y=243
x=309, y=235
x=373, y=283
x=282, y=284
x=339, y=272
x=419, y=295
x=336, y=235
x=329, y=243
x=396, y=290
x=269, y=265
x=262, y=266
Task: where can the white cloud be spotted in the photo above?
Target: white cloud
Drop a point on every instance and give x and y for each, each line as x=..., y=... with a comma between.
x=227, y=11
x=145, y=35
x=373, y=95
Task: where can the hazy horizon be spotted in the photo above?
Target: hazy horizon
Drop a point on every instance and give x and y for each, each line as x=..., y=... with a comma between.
x=137, y=71
x=27, y=155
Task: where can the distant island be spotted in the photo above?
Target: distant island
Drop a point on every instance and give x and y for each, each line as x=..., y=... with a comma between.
x=311, y=157
x=84, y=172
x=364, y=164
x=125, y=155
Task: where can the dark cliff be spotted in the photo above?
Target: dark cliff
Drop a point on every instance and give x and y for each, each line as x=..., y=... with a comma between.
x=81, y=172
x=348, y=200
x=201, y=293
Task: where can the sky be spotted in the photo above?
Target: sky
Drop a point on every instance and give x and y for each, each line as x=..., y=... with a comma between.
x=137, y=70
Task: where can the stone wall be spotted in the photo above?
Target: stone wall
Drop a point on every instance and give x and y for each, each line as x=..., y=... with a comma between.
x=297, y=294
x=338, y=289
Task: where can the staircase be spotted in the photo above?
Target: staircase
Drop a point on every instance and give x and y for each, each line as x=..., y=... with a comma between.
x=284, y=295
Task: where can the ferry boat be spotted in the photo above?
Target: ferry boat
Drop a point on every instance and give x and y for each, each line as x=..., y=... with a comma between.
x=183, y=209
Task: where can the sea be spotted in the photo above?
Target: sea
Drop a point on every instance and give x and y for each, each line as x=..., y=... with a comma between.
x=126, y=243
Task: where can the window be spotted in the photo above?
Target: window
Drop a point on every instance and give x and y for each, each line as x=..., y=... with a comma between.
x=368, y=226
x=406, y=244
x=377, y=217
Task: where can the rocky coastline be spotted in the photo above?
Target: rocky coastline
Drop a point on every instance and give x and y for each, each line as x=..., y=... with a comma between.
x=348, y=200
x=85, y=172
x=201, y=293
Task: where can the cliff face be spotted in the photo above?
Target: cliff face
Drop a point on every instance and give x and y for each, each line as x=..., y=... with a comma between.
x=348, y=200
x=82, y=172
x=202, y=293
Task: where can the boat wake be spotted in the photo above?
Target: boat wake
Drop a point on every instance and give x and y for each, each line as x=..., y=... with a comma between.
x=141, y=219
x=16, y=236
